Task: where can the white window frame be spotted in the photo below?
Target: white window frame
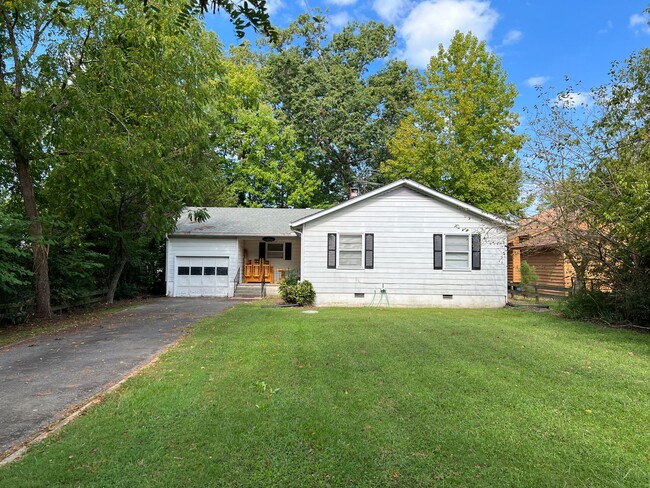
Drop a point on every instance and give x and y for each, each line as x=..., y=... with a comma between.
x=268, y=256
x=469, y=252
x=362, y=249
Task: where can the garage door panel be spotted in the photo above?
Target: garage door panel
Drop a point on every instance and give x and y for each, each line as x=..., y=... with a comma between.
x=201, y=276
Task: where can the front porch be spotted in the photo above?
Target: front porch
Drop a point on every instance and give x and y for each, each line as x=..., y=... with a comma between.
x=268, y=259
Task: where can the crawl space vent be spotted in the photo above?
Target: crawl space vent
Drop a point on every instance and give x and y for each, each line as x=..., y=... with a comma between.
x=447, y=297
x=359, y=295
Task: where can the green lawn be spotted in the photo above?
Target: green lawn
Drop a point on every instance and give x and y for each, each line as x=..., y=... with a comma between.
x=367, y=397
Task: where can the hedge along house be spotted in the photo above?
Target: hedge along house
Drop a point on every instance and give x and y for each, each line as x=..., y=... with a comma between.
x=403, y=243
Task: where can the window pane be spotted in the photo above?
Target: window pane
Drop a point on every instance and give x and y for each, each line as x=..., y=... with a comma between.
x=275, y=250
x=196, y=271
x=209, y=271
x=350, y=258
x=457, y=260
x=350, y=243
x=457, y=244
x=183, y=270
x=222, y=271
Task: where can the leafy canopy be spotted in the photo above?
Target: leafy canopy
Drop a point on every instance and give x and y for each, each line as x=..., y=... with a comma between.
x=460, y=137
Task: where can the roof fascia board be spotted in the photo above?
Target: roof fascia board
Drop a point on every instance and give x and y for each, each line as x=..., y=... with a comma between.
x=196, y=234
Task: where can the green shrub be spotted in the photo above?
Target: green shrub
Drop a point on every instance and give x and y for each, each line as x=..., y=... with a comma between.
x=591, y=304
x=292, y=277
x=301, y=293
x=529, y=278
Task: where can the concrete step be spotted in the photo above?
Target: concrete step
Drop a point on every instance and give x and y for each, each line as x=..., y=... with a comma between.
x=254, y=291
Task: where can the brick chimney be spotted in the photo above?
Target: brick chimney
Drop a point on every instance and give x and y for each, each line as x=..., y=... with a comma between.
x=353, y=192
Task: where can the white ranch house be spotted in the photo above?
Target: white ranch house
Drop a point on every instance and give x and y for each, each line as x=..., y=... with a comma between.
x=403, y=243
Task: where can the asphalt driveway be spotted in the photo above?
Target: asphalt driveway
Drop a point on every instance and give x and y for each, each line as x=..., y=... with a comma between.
x=42, y=379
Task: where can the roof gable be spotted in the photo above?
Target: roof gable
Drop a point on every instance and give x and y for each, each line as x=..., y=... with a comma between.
x=406, y=183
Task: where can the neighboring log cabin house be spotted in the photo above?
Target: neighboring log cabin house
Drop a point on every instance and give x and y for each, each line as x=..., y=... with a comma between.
x=536, y=243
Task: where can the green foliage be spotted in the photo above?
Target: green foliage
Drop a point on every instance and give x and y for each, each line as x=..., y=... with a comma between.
x=342, y=114
x=592, y=163
x=529, y=277
x=251, y=13
x=292, y=277
x=460, y=137
x=301, y=293
x=261, y=157
x=590, y=305
x=147, y=94
x=15, y=255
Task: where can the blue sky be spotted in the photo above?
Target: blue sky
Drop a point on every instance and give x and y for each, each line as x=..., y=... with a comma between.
x=539, y=41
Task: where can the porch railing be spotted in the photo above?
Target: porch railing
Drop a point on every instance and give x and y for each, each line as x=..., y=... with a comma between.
x=236, y=279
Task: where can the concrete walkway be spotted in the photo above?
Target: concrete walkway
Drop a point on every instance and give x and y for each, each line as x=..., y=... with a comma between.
x=41, y=380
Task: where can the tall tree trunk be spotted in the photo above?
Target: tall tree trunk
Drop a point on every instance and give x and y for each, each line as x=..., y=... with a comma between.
x=117, y=272
x=40, y=250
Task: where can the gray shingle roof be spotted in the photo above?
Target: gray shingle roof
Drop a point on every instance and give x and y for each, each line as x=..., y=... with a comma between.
x=224, y=221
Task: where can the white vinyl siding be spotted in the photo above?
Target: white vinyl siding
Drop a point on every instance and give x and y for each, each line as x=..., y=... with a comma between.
x=456, y=252
x=404, y=222
x=350, y=251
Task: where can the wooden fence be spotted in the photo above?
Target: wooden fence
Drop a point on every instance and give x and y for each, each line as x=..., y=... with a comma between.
x=537, y=291
x=19, y=312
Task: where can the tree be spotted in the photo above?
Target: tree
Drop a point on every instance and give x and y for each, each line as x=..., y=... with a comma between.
x=42, y=48
x=145, y=88
x=592, y=164
x=343, y=115
x=460, y=137
x=264, y=165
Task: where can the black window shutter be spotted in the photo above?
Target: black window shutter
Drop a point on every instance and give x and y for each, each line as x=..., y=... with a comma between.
x=262, y=250
x=476, y=251
x=331, y=250
x=370, y=251
x=437, y=251
x=287, y=251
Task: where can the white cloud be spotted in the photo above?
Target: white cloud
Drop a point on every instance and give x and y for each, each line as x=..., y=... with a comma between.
x=273, y=6
x=343, y=3
x=391, y=10
x=535, y=81
x=434, y=22
x=608, y=27
x=639, y=23
x=574, y=99
x=512, y=37
x=339, y=20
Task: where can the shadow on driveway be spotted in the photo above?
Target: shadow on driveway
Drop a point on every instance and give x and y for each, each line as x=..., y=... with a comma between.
x=42, y=379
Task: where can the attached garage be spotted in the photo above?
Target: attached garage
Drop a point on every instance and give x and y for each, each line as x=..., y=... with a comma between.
x=201, y=276
x=201, y=267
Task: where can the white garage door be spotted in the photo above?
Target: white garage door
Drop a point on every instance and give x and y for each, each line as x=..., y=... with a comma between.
x=201, y=277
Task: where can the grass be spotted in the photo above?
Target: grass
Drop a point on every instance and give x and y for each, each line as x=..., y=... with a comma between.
x=367, y=397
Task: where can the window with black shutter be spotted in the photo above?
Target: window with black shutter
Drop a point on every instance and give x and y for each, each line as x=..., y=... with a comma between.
x=370, y=251
x=476, y=251
x=437, y=251
x=331, y=250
